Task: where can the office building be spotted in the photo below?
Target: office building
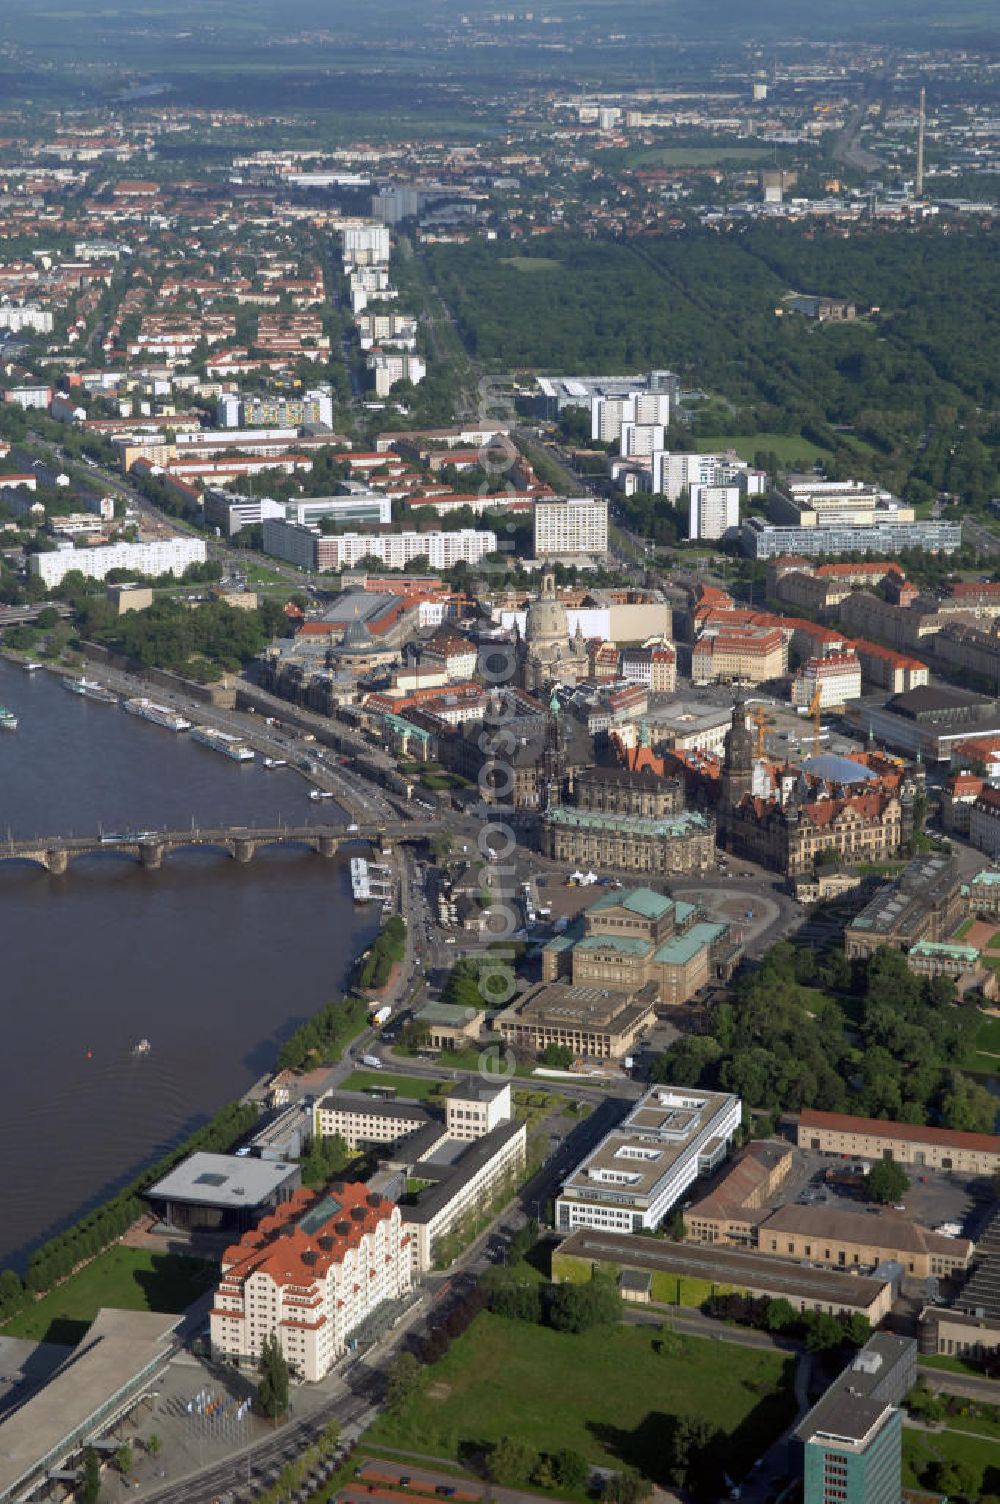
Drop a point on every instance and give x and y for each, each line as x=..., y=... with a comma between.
x=309, y=1275
x=641, y=1169
x=713, y=510
x=767, y=540
x=461, y=1179
x=835, y=678
x=827, y=503
x=739, y=654
x=576, y=525
x=364, y=1121
x=852, y=1437
x=163, y=556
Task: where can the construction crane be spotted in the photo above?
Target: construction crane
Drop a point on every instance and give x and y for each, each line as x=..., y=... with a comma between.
x=760, y=738
x=814, y=707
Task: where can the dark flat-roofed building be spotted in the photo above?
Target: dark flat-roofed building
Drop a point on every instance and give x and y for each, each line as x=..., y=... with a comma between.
x=682, y=1272
x=851, y=1438
x=222, y=1192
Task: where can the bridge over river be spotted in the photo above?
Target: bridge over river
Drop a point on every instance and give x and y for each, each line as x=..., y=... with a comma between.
x=241, y=842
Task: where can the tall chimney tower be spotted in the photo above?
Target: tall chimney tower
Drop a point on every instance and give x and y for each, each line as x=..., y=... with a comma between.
x=918, y=186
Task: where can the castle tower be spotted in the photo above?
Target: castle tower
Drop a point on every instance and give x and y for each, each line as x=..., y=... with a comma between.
x=737, y=765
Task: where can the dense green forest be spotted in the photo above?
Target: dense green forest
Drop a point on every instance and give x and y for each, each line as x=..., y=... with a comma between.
x=908, y=395
x=870, y=1038
x=199, y=643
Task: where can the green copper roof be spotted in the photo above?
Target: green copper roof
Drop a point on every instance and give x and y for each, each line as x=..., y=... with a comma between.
x=637, y=900
x=683, y=948
x=988, y=878
x=967, y=953
x=630, y=945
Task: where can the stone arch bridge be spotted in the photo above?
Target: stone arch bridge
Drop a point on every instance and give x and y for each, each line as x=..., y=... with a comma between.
x=241, y=842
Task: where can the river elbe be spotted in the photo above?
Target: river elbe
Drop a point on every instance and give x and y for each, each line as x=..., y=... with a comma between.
x=213, y=962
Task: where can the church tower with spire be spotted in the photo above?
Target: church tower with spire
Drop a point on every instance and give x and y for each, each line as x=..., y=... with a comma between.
x=553, y=777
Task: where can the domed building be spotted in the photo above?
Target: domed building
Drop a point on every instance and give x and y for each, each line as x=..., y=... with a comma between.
x=547, y=652
x=358, y=651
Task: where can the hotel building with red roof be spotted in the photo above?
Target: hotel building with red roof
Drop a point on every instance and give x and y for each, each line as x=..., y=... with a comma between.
x=310, y=1274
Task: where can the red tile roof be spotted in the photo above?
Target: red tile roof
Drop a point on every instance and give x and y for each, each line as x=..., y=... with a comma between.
x=842, y=1122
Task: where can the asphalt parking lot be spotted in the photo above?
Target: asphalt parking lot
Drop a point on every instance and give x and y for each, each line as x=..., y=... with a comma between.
x=934, y=1196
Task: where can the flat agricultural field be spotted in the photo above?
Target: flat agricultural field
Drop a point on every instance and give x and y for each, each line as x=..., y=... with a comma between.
x=606, y=1394
x=134, y=1279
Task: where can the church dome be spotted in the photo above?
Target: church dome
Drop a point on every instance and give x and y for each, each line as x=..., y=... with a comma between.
x=546, y=620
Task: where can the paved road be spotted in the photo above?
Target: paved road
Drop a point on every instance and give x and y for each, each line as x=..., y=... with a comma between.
x=967, y=1386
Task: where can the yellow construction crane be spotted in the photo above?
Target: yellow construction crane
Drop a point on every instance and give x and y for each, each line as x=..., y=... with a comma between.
x=814, y=705
x=760, y=740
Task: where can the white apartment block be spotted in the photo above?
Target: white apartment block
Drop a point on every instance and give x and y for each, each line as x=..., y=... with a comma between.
x=20, y=316
x=391, y=366
x=399, y=329
x=675, y=472
x=366, y=245
x=608, y=414
x=642, y=1168
x=305, y=547
x=837, y=677
x=639, y=440
x=310, y=1274
x=714, y=510
x=164, y=556
x=576, y=525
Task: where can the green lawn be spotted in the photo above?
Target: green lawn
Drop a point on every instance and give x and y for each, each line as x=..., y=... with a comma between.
x=131, y=1278
x=923, y=1447
x=950, y=1365
x=963, y=928
x=700, y=156
x=416, y=1087
x=605, y=1394
x=533, y=263
x=789, y=447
